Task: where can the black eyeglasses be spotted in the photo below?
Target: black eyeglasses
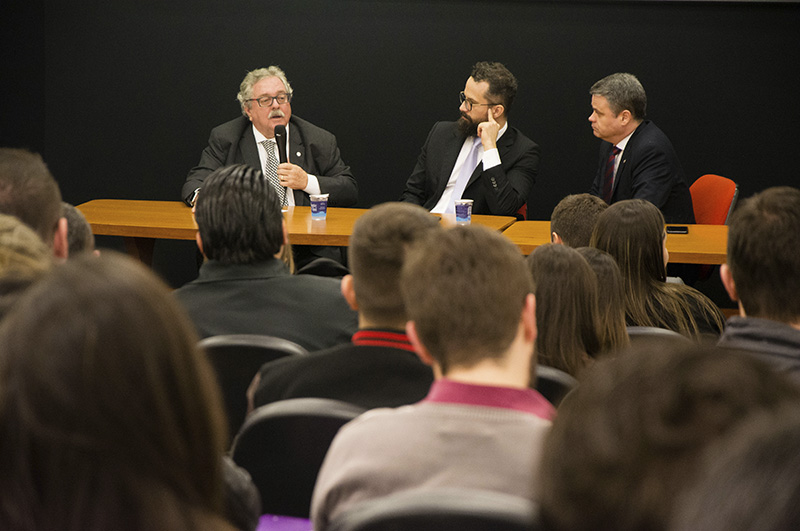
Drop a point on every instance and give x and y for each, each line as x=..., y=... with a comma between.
x=463, y=99
x=266, y=101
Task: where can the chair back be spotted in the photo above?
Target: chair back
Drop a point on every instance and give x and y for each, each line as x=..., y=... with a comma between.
x=282, y=446
x=713, y=199
x=553, y=384
x=236, y=359
x=641, y=334
x=440, y=510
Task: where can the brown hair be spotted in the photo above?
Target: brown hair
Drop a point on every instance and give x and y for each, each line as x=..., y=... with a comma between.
x=29, y=192
x=502, y=83
x=610, y=299
x=574, y=217
x=22, y=251
x=632, y=232
x=763, y=240
x=630, y=436
x=109, y=415
x=376, y=254
x=566, y=308
x=465, y=288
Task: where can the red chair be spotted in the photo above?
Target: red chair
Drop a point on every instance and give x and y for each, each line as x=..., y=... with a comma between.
x=713, y=199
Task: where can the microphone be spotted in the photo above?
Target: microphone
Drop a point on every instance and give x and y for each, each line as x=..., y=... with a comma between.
x=280, y=139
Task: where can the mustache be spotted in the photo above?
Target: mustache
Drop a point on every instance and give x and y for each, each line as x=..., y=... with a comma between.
x=277, y=113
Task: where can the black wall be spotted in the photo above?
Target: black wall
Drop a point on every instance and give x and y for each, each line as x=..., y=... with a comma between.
x=127, y=91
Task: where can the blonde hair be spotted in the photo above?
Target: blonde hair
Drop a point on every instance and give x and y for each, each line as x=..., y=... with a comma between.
x=21, y=249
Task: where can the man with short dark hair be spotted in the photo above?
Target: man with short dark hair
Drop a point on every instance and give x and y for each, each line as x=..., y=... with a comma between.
x=29, y=192
x=480, y=156
x=472, y=316
x=378, y=368
x=243, y=288
x=573, y=219
x=79, y=233
x=637, y=160
x=763, y=275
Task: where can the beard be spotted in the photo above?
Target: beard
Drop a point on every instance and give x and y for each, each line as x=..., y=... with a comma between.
x=466, y=126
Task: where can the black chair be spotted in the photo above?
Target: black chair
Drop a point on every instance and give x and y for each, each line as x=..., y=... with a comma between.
x=236, y=360
x=324, y=267
x=553, y=384
x=440, y=510
x=282, y=446
x=640, y=334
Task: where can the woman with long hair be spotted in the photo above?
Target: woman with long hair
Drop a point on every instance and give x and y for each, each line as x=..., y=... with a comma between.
x=632, y=231
x=610, y=299
x=110, y=418
x=566, y=308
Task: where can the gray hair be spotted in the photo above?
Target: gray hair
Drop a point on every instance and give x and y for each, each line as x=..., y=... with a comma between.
x=253, y=77
x=623, y=92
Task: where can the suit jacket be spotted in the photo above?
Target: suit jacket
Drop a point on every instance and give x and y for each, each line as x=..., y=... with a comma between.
x=310, y=147
x=368, y=375
x=649, y=170
x=264, y=298
x=499, y=191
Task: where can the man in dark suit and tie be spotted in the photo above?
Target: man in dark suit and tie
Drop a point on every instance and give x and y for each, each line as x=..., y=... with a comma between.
x=313, y=162
x=480, y=156
x=637, y=160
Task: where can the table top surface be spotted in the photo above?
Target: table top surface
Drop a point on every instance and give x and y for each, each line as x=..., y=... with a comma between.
x=704, y=244
x=174, y=220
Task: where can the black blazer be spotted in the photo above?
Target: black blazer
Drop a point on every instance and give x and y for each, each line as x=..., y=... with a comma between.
x=649, y=170
x=499, y=191
x=310, y=147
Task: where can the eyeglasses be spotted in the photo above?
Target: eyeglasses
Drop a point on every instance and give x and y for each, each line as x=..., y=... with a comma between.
x=266, y=101
x=469, y=103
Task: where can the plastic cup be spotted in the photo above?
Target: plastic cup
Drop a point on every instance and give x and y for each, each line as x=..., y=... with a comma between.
x=463, y=211
x=319, y=206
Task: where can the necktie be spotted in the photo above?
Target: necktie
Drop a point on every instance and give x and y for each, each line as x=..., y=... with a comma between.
x=466, y=172
x=608, y=179
x=271, y=170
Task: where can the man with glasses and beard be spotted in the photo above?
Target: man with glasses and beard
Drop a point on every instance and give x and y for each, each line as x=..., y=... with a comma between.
x=478, y=157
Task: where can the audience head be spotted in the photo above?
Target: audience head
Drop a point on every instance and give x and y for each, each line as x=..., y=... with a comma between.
x=610, y=298
x=573, y=219
x=376, y=254
x=21, y=249
x=239, y=217
x=763, y=269
x=79, y=233
x=566, y=308
x=29, y=192
x=109, y=415
x=623, y=92
x=502, y=83
x=630, y=437
x=467, y=292
x=632, y=232
x=750, y=480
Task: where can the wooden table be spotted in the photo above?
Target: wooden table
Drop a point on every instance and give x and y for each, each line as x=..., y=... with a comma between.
x=140, y=223
x=705, y=244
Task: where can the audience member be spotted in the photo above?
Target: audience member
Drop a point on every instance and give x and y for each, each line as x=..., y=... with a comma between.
x=749, y=480
x=629, y=439
x=80, y=238
x=632, y=231
x=21, y=249
x=379, y=367
x=480, y=156
x=573, y=219
x=567, y=315
x=637, y=160
x=610, y=298
x=29, y=192
x=243, y=288
x=472, y=315
x=109, y=416
x=763, y=275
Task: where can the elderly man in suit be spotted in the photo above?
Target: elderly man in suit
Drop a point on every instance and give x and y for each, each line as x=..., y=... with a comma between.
x=313, y=162
x=637, y=160
x=480, y=156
